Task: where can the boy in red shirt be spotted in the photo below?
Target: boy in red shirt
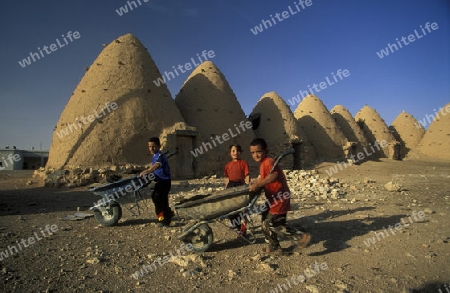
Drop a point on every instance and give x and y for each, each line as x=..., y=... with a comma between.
x=236, y=171
x=237, y=174
x=277, y=197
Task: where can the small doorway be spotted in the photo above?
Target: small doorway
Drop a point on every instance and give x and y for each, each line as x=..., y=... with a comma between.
x=183, y=163
x=297, y=155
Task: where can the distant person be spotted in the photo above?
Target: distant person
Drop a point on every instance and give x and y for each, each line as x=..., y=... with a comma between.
x=237, y=174
x=161, y=170
x=277, y=197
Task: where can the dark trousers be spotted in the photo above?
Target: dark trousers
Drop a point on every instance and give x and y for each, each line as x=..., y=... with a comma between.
x=160, y=198
x=234, y=220
x=269, y=220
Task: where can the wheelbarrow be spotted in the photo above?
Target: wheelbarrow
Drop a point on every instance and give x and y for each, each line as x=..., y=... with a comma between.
x=108, y=210
x=205, y=209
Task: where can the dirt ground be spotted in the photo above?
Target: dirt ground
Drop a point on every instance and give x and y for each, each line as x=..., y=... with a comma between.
x=82, y=256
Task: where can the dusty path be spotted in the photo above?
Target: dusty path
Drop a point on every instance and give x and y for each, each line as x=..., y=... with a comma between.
x=81, y=256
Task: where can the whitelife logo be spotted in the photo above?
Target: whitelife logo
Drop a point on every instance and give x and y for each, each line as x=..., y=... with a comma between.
x=431, y=118
x=285, y=15
x=243, y=125
x=411, y=38
x=323, y=85
x=90, y=118
x=361, y=156
x=124, y=9
x=12, y=159
x=372, y=241
x=184, y=68
x=76, y=35
x=31, y=240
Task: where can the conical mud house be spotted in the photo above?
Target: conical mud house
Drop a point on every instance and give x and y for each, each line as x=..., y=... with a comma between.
x=355, y=136
x=114, y=110
x=406, y=130
x=207, y=102
x=436, y=140
x=274, y=121
x=326, y=137
x=377, y=132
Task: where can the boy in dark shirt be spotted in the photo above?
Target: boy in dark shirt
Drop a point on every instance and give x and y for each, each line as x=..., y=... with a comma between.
x=161, y=170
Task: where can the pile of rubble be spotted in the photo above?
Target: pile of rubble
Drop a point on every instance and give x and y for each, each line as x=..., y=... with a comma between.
x=303, y=184
x=307, y=184
x=83, y=176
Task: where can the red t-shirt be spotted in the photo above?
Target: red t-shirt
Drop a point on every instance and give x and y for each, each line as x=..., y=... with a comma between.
x=274, y=191
x=236, y=170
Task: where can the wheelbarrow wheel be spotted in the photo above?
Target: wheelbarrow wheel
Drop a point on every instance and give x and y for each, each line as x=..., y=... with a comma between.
x=109, y=215
x=200, y=238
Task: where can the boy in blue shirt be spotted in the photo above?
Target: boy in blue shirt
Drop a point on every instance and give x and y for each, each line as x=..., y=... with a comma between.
x=161, y=170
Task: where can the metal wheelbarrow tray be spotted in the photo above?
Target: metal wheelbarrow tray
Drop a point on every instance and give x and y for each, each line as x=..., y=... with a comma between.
x=204, y=209
x=211, y=206
x=108, y=210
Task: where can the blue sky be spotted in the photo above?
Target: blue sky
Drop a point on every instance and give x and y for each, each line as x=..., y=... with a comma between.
x=303, y=49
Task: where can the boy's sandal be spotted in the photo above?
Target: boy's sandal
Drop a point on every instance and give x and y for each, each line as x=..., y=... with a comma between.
x=304, y=240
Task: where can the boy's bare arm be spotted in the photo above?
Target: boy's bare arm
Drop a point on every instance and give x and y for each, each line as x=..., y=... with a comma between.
x=151, y=169
x=247, y=179
x=226, y=181
x=261, y=183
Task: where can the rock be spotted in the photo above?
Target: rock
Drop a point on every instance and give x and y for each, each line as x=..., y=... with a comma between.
x=392, y=187
x=185, y=260
x=183, y=184
x=266, y=267
x=341, y=285
x=232, y=274
x=93, y=261
x=430, y=255
x=429, y=211
x=77, y=171
x=255, y=257
x=192, y=273
x=312, y=289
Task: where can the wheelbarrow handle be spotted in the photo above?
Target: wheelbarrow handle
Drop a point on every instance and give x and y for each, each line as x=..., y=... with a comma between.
x=170, y=154
x=279, y=157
